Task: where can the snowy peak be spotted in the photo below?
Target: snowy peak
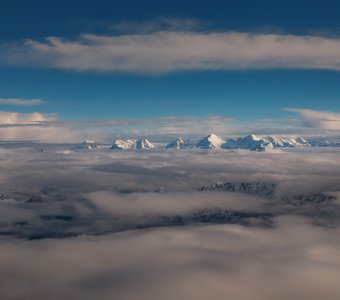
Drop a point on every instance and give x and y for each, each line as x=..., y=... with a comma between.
x=256, y=143
x=249, y=142
x=144, y=144
x=179, y=143
x=260, y=188
x=123, y=144
x=252, y=137
x=132, y=144
x=278, y=142
x=268, y=190
x=87, y=145
x=212, y=141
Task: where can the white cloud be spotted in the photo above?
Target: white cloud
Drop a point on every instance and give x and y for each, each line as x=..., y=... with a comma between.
x=173, y=50
x=318, y=119
x=292, y=259
x=47, y=127
x=20, y=102
x=15, y=118
x=40, y=133
x=35, y=126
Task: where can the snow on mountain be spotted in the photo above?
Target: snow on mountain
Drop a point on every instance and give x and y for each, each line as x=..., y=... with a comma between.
x=256, y=143
x=87, y=145
x=144, y=144
x=269, y=190
x=278, y=142
x=212, y=141
x=132, y=144
x=321, y=141
x=123, y=144
x=260, y=188
x=179, y=143
x=250, y=142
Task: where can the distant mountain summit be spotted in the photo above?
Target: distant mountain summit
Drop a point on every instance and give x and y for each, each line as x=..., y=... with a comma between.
x=278, y=142
x=256, y=143
x=178, y=143
x=250, y=142
x=123, y=144
x=212, y=141
x=259, y=188
x=132, y=144
x=144, y=144
x=269, y=190
x=86, y=145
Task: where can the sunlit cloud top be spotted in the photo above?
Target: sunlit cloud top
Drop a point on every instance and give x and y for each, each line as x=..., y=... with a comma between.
x=170, y=51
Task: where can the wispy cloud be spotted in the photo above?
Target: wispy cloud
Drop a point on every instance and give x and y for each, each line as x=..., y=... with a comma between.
x=15, y=118
x=171, y=50
x=20, y=101
x=318, y=119
x=48, y=127
x=16, y=126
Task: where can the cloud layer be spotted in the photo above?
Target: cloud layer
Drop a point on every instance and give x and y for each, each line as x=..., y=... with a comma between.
x=47, y=127
x=15, y=118
x=295, y=260
x=169, y=50
x=20, y=102
x=318, y=119
x=94, y=194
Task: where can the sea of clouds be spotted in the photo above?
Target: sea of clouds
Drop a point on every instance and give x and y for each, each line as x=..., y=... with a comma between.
x=108, y=224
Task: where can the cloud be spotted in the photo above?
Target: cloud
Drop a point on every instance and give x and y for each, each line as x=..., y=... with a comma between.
x=35, y=126
x=47, y=127
x=94, y=194
x=20, y=102
x=318, y=119
x=15, y=118
x=40, y=133
x=293, y=261
x=161, y=128
x=171, y=50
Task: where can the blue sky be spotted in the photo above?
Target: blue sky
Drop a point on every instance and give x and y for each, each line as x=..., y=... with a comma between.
x=99, y=60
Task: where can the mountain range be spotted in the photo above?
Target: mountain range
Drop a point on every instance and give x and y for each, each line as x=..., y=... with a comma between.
x=132, y=144
x=269, y=190
x=212, y=141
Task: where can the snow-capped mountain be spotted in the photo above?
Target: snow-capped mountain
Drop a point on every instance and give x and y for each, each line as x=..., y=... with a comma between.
x=212, y=141
x=287, y=142
x=259, y=188
x=269, y=190
x=123, y=144
x=144, y=144
x=320, y=142
x=250, y=142
x=256, y=143
x=178, y=143
x=87, y=145
x=132, y=144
